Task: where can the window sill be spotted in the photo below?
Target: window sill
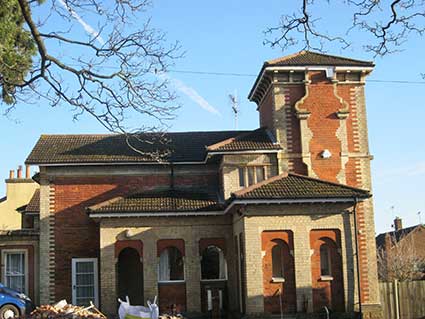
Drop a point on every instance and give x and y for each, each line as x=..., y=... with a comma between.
x=170, y=282
x=213, y=280
x=326, y=278
x=278, y=279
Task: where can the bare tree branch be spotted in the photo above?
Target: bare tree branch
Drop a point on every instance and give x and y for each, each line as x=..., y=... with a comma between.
x=111, y=74
x=387, y=25
x=400, y=260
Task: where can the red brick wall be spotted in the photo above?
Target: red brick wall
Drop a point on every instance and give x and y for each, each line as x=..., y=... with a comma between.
x=273, y=290
x=75, y=234
x=266, y=111
x=172, y=294
x=327, y=293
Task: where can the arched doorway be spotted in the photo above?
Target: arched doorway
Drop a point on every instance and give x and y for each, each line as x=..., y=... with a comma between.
x=130, y=276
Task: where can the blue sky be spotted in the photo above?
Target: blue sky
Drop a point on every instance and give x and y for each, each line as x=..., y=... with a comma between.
x=227, y=36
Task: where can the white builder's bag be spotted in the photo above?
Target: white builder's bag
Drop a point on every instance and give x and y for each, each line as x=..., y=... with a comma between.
x=127, y=311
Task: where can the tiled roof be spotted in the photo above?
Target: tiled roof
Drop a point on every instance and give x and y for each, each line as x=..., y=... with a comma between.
x=175, y=147
x=306, y=58
x=294, y=186
x=394, y=235
x=169, y=201
x=34, y=204
x=259, y=139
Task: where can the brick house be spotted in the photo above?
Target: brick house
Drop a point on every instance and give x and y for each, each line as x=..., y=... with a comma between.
x=407, y=244
x=245, y=222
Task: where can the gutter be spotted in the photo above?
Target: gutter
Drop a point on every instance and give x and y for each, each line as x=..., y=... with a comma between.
x=357, y=258
x=202, y=162
x=153, y=214
x=226, y=210
x=289, y=201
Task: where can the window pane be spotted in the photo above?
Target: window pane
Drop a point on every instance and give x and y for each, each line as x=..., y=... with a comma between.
x=210, y=263
x=15, y=271
x=277, y=261
x=325, y=261
x=241, y=177
x=259, y=171
x=250, y=175
x=85, y=267
x=171, y=266
x=213, y=264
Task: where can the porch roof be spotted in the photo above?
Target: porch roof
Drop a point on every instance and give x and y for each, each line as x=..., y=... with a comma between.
x=159, y=202
x=294, y=186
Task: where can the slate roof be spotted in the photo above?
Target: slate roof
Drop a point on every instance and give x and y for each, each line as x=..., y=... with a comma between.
x=306, y=58
x=113, y=148
x=294, y=186
x=169, y=201
x=395, y=235
x=259, y=139
x=34, y=204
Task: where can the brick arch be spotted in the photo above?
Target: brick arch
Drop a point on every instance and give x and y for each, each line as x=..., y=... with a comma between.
x=120, y=245
x=163, y=244
x=327, y=290
x=206, y=242
x=287, y=296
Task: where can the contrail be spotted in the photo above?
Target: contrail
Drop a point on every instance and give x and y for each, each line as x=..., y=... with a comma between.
x=191, y=94
x=85, y=25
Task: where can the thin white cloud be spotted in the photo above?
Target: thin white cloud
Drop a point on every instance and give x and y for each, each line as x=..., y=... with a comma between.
x=87, y=27
x=191, y=93
x=416, y=169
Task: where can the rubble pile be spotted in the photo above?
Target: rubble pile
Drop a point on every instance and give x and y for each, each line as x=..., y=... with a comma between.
x=63, y=310
x=168, y=316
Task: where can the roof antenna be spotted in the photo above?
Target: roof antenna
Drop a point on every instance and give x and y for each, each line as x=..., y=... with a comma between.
x=234, y=102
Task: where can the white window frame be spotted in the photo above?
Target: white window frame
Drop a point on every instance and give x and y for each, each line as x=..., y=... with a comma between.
x=266, y=169
x=95, y=282
x=4, y=253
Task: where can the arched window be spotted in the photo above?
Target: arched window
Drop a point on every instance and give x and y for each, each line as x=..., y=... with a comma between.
x=213, y=264
x=325, y=260
x=277, y=261
x=171, y=266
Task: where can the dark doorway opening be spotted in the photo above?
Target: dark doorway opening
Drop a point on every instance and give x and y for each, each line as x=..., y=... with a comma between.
x=130, y=276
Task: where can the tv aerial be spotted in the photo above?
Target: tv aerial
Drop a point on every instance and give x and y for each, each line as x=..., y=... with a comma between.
x=234, y=103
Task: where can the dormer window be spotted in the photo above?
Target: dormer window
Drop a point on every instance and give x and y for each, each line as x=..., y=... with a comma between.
x=250, y=175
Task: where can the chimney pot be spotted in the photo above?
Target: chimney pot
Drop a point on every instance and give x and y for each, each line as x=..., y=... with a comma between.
x=27, y=171
x=20, y=171
x=11, y=174
x=398, y=225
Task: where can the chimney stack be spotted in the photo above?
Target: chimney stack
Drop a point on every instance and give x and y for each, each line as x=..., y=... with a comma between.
x=27, y=171
x=19, y=171
x=12, y=174
x=398, y=224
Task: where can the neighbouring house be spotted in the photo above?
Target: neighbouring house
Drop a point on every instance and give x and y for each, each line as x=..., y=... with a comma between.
x=238, y=222
x=401, y=252
x=19, y=233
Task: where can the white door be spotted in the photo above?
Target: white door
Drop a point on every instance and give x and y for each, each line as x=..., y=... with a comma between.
x=84, y=281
